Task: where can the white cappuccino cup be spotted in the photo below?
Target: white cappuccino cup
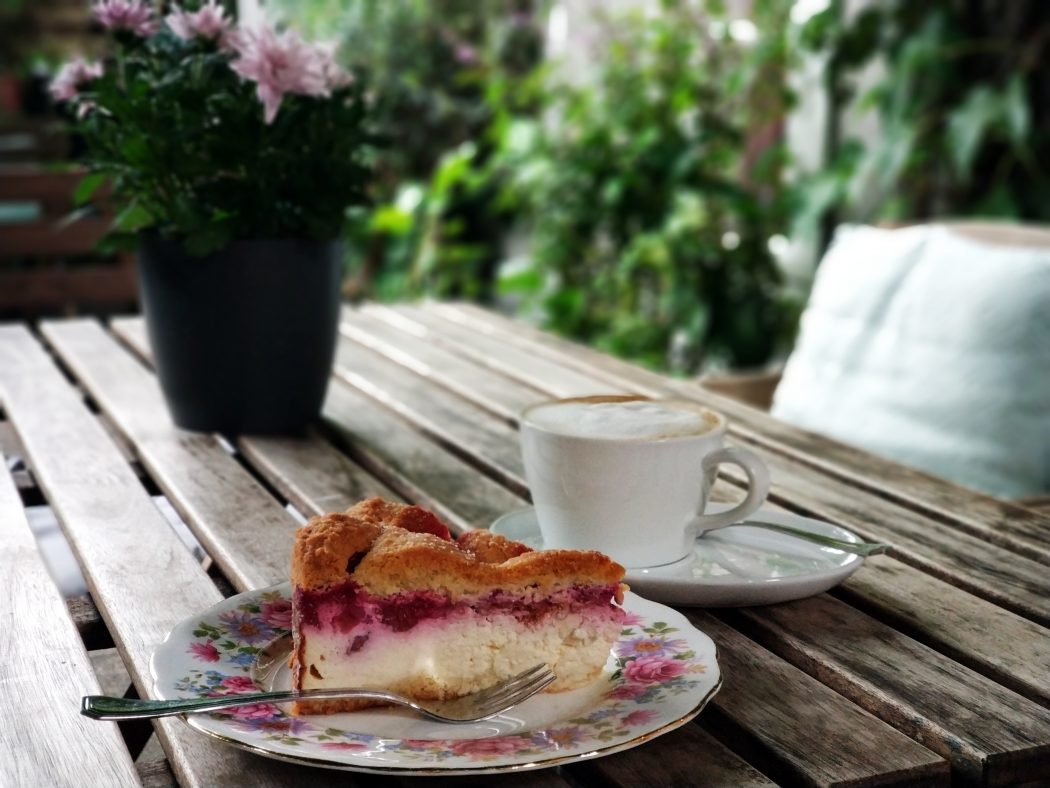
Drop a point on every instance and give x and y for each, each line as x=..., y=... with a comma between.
x=630, y=476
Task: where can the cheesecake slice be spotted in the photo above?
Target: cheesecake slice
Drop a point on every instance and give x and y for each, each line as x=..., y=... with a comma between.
x=384, y=598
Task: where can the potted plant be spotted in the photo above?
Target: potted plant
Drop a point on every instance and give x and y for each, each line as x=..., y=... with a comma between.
x=233, y=153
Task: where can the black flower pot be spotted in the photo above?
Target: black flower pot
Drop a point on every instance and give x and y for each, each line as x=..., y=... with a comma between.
x=243, y=339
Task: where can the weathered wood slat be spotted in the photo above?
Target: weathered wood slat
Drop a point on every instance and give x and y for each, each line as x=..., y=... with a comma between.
x=440, y=414
x=559, y=380
x=123, y=543
x=311, y=473
x=436, y=364
x=399, y=388
x=917, y=690
x=997, y=521
x=245, y=530
x=987, y=570
x=44, y=671
x=300, y=469
x=961, y=626
x=662, y=762
x=418, y=468
x=819, y=740
x=405, y=460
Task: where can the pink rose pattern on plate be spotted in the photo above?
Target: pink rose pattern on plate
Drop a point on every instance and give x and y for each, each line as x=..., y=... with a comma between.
x=651, y=664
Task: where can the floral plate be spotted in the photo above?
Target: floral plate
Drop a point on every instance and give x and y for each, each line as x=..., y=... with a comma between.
x=660, y=674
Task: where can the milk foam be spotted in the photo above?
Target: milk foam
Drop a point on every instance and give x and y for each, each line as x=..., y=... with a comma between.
x=636, y=419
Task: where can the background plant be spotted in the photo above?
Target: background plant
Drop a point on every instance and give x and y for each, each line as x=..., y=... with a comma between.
x=653, y=194
x=963, y=104
x=433, y=65
x=184, y=142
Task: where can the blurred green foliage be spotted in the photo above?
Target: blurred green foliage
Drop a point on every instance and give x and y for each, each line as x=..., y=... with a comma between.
x=963, y=102
x=634, y=206
x=652, y=197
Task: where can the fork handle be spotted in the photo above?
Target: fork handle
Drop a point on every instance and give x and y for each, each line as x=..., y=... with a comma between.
x=106, y=707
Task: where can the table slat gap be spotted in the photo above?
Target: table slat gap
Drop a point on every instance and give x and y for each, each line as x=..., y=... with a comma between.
x=985, y=570
x=439, y=366
x=659, y=762
x=552, y=377
x=301, y=468
x=292, y=466
x=933, y=613
x=779, y=707
x=978, y=608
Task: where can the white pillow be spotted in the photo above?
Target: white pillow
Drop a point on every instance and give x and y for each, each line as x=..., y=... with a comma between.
x=932, y=349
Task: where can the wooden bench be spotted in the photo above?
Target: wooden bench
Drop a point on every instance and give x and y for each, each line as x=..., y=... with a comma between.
x=48, y=261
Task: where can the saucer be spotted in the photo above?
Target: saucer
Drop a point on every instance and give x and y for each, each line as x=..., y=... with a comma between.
x=733, y=567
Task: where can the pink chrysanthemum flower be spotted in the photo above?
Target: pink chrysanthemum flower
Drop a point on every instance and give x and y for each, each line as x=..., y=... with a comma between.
x=72, y=76
x=209, y=21
x=335, y=75
x=279, y=64
x=132, y=15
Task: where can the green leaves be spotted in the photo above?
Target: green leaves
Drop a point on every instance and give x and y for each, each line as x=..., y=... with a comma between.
x=181, y=139
x=968, y=124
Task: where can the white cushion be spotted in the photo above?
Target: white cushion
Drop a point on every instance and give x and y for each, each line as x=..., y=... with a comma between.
x=933, y=349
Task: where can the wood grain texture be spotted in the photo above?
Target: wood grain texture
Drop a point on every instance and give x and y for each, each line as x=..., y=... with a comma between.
x=991, y=735
x=245, y=530
x=311, y=473
x=805, y=732
x=1010, y=649
x=979, y=610
x=436, y=364
x=992, y=519
x=1000, y=576
x=553, y=377
x=44, y=671
x=419, y=469
x=122, y=542
x=455, y=423
x=688, y=756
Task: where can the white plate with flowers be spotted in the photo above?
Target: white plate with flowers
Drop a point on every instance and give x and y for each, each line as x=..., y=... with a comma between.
x=660, y=674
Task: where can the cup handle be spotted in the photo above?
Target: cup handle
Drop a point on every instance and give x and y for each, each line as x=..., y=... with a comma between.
x=757, y=487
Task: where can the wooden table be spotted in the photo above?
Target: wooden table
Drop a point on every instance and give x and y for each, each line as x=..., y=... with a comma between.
x=931, y=665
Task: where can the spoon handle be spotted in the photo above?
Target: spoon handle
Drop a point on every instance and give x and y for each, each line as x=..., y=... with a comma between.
x=860, y=548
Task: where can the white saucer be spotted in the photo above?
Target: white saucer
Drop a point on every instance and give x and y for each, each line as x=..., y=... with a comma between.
x=737, y=566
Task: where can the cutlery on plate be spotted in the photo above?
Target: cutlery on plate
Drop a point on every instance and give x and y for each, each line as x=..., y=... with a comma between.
x=860, y=548
x=477, y=706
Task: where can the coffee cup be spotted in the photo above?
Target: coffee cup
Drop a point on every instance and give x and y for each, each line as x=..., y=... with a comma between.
x=630, y=476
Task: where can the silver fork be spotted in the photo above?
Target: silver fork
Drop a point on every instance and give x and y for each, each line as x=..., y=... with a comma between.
x=477, y=706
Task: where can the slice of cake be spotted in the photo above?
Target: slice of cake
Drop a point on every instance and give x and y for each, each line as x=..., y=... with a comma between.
x=384, y=598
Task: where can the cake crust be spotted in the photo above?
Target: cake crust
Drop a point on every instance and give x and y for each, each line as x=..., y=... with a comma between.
x=389, y=547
